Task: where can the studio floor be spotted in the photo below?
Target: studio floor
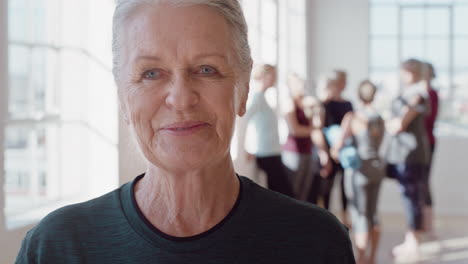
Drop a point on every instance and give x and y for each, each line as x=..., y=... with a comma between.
x=451, y=247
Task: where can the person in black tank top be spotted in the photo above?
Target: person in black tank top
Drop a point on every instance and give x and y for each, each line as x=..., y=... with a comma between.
x=335, y=109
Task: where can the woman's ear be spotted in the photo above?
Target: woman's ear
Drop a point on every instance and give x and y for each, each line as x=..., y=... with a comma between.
x=243, y=99
x=245, y=91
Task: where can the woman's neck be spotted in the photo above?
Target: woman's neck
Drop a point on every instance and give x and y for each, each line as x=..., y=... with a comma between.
x=368, y=106
x=337, y=97
x=188, y=203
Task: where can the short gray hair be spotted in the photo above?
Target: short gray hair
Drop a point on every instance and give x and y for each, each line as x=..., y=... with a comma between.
x=231, y=10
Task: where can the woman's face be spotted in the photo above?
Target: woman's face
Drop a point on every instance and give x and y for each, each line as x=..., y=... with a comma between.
x=296, y=87
x=269, y=78
x=333, y=89
x=407, y=77
x=178, y=89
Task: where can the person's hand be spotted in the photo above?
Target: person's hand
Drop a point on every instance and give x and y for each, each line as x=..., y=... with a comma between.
x=326, y=165
x=394, y=126
x=335, y=153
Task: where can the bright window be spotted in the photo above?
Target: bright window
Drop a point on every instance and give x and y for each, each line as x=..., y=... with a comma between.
x=431, y=30
x=277, y=36
x=61, y=130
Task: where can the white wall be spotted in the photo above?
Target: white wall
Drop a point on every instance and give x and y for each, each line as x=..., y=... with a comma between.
x=338, y=39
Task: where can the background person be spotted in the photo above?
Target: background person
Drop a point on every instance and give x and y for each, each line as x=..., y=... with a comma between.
x=267, y=149
x=297, y=151
x=365, y=128
x=407, y=152
x=336, y=108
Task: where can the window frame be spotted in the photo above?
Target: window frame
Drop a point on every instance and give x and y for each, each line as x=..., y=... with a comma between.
x=93, y=132
x=450, y=70
x=3, y=100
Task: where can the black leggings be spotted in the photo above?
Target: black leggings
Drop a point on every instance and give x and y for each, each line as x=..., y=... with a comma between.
x=426, y=183
x=276, y=174
x=322, y=188
x=410, y=178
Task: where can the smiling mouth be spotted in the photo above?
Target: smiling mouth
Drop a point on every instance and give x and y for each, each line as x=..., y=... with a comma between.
x=185, y=128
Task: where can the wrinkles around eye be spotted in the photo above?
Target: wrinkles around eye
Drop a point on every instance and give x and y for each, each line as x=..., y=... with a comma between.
x=152, y=74
x=207, y=70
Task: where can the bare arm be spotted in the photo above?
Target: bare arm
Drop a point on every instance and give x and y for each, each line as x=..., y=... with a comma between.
x=400, y=124
x=295, y=128
x=323, y=152
x=346, y=131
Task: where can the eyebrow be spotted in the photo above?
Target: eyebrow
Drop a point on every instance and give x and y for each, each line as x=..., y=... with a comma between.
x=205, y=55
x=202, y=55
x=148, y=57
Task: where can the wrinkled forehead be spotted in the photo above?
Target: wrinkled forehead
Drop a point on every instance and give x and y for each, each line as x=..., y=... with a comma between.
x=177, y=32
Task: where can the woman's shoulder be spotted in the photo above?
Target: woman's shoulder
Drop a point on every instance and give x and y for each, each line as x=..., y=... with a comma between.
x=74, y=218
x=62, y=234
x=276, y=217
x=300, y=216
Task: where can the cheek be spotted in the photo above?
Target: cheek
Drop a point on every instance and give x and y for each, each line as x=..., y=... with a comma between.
x=142, y=108
x=224, y=103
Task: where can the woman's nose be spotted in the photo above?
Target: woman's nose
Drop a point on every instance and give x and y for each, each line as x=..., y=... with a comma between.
x=182, y=94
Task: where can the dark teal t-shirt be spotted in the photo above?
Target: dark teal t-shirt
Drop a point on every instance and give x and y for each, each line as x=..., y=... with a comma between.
x=262, y=227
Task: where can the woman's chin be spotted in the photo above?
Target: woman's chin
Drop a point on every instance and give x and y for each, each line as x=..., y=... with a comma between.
x=187, y=159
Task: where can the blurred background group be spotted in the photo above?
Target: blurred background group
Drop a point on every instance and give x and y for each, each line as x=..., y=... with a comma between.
x=358, y=106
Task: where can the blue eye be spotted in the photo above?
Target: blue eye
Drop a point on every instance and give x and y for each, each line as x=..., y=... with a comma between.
x=151, y=74
x=207, y=70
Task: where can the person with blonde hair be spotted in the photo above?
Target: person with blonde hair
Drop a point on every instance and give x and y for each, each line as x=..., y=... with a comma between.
x=336, y=107
x=266, y=149
x=297, y=150
x=364, y=129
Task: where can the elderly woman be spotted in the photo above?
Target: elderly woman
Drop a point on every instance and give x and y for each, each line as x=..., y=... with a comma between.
x=182, y=69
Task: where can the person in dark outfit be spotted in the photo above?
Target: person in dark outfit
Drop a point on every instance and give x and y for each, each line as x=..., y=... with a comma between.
x=365, y=129
x=183, y=69
x=433, y=97
x=407, y=153
x=336, y=107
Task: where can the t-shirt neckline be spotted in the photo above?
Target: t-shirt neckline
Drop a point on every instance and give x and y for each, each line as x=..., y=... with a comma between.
x=145, y=229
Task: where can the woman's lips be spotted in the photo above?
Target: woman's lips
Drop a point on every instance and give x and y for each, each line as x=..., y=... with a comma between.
x=184, y=128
